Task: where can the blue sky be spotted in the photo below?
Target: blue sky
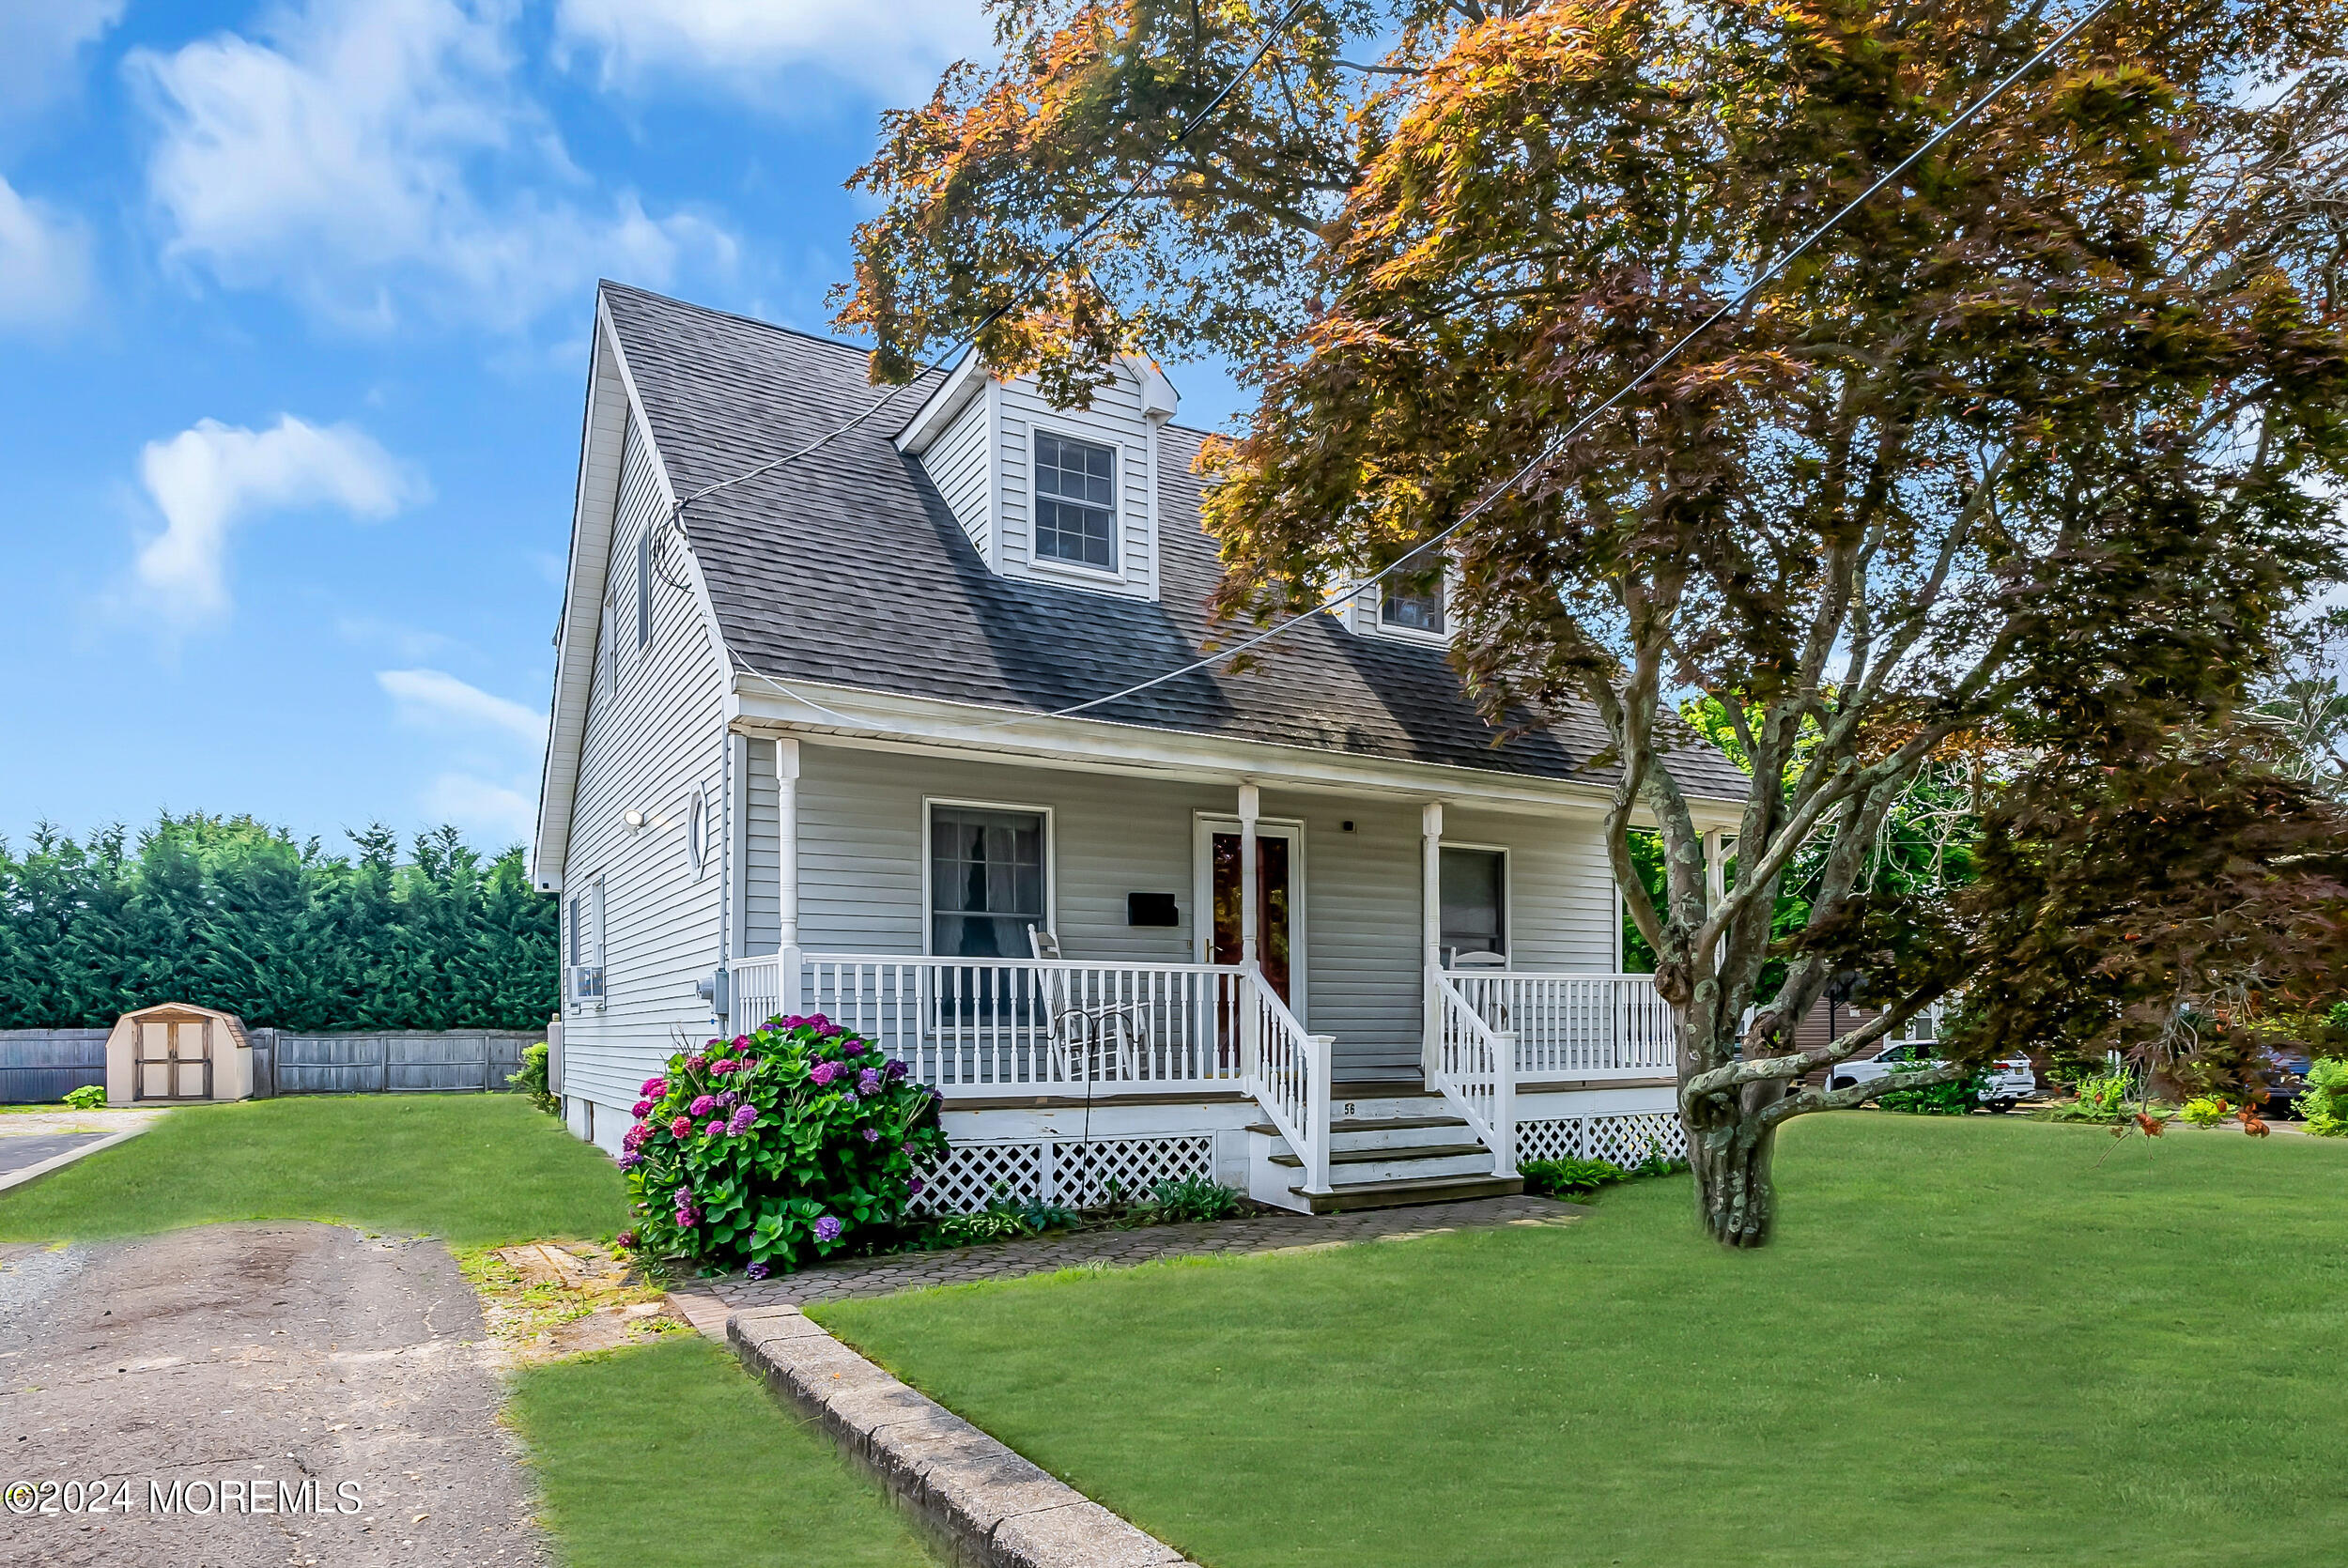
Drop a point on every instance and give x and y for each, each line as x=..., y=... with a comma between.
x=293, y=313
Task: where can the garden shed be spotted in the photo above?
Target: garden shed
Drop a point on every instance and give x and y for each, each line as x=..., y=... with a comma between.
x=178, y=1051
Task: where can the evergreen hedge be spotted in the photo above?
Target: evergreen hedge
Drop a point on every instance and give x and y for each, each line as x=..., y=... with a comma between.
x=227, y=912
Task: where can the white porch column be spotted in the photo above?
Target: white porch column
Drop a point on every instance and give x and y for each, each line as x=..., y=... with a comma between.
x=787, y=867
x=1716, y=880
x=1248, y=800
x=1430, y=933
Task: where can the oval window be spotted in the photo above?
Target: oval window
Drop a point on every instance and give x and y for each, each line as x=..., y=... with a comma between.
x=697, y=833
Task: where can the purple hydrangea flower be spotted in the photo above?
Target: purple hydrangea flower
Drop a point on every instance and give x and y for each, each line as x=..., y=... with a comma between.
x=854, y=1048
x=894, y=1071
x=915, y=1186
x=689, y=1213
x=743, y=1120
x=823, y=1073
x=703, y=1105
x=816, y=1021
x=654, y=1087
x=827, y=1229
x=697, y=1063
x=872, y=1135
x=729, y=1100
x=629, y=1161
x=681, y=1128
x=717, y=1125
x=757, y=1271
x=633, y=1139
x=868, y=1081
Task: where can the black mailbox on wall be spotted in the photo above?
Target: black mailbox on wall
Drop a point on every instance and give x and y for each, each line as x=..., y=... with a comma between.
x=1152, y=908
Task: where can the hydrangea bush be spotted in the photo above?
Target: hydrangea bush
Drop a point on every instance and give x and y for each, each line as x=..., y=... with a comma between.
x=776, y=1148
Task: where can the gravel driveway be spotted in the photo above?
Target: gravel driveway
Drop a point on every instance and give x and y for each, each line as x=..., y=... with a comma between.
x=279, y=1394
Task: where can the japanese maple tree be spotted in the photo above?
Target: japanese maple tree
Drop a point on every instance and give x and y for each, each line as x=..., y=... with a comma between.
x=2029, y=456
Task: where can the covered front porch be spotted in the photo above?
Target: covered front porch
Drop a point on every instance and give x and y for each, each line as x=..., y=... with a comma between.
x=1069, y=941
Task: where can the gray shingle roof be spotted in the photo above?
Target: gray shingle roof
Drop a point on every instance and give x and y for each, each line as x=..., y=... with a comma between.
x=848, y=568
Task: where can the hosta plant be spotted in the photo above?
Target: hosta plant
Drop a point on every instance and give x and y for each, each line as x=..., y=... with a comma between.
x=776, y=1148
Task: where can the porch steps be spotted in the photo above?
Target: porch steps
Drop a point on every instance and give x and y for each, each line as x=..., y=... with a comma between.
x=1392, y=1144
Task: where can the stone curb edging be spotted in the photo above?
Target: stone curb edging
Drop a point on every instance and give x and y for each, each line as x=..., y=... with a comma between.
x=59, y=1162
x=991, y=1508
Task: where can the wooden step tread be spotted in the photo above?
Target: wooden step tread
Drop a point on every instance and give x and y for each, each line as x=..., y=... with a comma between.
x=1408, y=1151
x=1416, y=1190
x=1373, y=1124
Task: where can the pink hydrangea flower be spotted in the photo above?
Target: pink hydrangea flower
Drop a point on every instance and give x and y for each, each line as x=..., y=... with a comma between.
x=703, y=1105
x=717, y=1125
x=741, y=1040
x=823, y=1073
x=633, y=1139
x=642, y=1108
x=654, y=1087
x=722, y=1065
x=681, y=1128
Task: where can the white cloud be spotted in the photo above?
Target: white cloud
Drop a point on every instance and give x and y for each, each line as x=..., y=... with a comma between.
x=208, y=478
x=484, y=808
x=372, y=157
x=434, y=696
x=44, y=263
x=38, y=41
x=895, y=50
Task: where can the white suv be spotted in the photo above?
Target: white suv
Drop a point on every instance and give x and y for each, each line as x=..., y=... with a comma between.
x=2010, y=1080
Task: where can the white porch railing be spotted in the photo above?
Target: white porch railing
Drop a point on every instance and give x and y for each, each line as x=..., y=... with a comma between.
x=1591, y=1026
x=1474, y=1068
x=1290, y=1073
x=979, y=1026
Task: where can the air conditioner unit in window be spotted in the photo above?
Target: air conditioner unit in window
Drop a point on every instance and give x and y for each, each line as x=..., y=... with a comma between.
x=586, y=982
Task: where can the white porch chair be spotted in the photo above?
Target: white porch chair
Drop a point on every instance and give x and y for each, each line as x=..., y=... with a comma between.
x=1089, y=1045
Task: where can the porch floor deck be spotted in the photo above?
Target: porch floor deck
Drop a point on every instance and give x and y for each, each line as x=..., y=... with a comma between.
x=1124, y=1249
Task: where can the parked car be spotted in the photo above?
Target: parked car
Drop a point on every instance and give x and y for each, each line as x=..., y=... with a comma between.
x=2285, y=1082
x=2011, y=1081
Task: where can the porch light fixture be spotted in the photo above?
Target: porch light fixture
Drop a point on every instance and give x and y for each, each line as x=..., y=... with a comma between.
x=632, y=816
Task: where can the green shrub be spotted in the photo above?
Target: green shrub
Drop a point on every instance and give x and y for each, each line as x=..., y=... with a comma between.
x=89, y=1096
x=2104, y=1097
x=1955, y=1098
x=532, y=1080
x=776, y=1146
x=1002, y=1220
x=1193, y=1198
x=2324, y=1101
x=2206, y=1110
x=1568, y=1178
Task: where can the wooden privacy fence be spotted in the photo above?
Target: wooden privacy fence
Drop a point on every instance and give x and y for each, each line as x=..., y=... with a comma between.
x=41, y=1065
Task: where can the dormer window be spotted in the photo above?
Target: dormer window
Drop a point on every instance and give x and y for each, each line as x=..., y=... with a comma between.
x=1075, y=501
x=1412, y=608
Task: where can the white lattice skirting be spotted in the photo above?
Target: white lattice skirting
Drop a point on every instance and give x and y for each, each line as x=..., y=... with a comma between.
x=1621, y=1140
x=1064, y=1170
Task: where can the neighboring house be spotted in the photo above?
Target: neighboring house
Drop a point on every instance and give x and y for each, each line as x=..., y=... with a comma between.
x=812, y=750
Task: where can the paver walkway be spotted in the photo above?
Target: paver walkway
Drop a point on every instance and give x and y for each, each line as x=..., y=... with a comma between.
x=1123, y=1249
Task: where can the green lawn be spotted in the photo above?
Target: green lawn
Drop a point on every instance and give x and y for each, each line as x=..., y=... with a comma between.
x=1976, y=1341
x=668, y=1455
x=474, y=1170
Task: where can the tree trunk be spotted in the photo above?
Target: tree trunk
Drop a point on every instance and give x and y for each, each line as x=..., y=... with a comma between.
x=1735, y=1194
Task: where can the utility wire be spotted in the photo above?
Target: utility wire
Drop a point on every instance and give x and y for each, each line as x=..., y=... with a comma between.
x=1552, y=449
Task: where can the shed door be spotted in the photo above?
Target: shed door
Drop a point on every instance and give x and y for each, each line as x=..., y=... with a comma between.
x=174, y=1059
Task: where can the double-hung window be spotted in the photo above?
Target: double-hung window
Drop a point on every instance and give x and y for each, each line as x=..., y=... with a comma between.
x=1075, y=501
x=986, y=881
x=1413, y=608
x=1475, y=903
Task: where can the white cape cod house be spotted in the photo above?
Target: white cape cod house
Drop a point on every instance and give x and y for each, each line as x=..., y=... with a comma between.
x=1314, y=930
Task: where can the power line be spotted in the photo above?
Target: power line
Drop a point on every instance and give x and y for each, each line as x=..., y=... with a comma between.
x=1550, y=449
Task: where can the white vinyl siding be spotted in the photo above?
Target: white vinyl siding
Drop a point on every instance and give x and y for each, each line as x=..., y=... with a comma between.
x=653, y=736
x=956, y=462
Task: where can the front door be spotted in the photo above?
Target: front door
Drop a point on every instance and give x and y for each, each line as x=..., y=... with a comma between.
x=1279, y=913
